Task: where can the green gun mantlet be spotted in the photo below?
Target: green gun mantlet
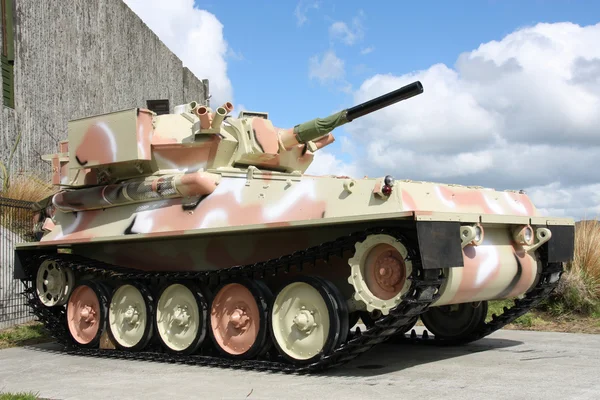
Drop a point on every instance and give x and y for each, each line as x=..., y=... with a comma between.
x=319, y=127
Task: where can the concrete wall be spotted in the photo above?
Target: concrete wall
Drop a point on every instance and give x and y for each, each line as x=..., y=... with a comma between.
x=82, y=58
x=7, y=132
x=77, y=58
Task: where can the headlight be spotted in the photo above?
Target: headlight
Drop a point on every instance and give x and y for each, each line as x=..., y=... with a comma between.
x=478, y=233
x=471, y=234
x=528, y=234
x=523, y=235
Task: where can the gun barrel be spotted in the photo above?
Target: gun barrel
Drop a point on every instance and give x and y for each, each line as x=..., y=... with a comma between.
x=385, y=100
x=319, y=127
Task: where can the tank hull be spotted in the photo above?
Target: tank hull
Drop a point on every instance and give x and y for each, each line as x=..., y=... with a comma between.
x=498, y=268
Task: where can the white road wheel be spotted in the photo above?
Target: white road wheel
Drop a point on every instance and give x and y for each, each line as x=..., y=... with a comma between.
x=128, y=317
x=181, y=325
x=53, y=284
x=302, y=321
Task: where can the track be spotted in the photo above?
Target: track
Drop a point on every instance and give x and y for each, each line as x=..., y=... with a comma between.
x=424, y=291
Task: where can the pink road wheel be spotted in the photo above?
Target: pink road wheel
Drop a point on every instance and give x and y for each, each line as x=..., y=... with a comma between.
x=238, y=317
x=86, y=313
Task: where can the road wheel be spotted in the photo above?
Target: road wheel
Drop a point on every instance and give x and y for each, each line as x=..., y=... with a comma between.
x=130, y=316
x=455, y=321
x=307, y=320
x=239, y=318
x=87, y=310
x=181, y=317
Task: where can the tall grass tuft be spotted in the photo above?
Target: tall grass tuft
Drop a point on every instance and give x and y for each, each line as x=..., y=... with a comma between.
x=27, y=188
x=14, y=216
x=579, y=289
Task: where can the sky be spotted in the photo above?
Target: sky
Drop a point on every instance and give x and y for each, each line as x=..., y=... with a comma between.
x=511, y=88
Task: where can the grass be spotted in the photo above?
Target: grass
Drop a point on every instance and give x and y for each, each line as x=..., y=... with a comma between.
x=23, y=335
x=14, y=217
x=541, y=319
x=523, y=322
x=578, y=292
x=19, y=396
x=27, y=188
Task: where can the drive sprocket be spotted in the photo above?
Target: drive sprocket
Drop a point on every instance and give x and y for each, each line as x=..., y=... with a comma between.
x=380, y=271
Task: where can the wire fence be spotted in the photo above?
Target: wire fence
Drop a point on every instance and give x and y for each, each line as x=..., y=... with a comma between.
x=16, y=223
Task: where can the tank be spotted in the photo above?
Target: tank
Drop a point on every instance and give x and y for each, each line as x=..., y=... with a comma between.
x=198, y=237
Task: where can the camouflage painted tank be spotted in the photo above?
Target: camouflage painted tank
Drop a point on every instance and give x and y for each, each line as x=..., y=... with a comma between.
x=196, y=236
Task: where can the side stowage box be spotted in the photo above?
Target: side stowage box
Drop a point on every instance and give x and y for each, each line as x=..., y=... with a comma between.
x=117, y=137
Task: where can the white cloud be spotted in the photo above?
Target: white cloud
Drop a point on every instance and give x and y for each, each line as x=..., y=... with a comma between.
x=326, y=163
x=302, y=9
x=555, y=200
x=521, y=112
x=326, y=68
x=195, y=36
x=348, y=34
x=367, y=50
x=339, y=30
x=235, y=55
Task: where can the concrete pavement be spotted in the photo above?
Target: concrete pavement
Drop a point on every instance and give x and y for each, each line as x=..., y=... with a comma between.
x=506, y=365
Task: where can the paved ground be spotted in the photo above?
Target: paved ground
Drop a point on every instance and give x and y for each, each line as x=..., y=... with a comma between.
x=506, y=365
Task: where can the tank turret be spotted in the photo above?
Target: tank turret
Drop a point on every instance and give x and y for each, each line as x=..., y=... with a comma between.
x=137, y=143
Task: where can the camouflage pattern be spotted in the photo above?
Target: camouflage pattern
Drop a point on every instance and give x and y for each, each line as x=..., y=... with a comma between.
x=160, y=192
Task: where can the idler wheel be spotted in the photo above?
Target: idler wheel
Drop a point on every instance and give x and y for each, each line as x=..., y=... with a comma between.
x=181, y=317
x=239, y=318
x=53, y=283
x=380, y=269
x=455, y=321
x=130, y=316
x=309, y=319
x=87, y=310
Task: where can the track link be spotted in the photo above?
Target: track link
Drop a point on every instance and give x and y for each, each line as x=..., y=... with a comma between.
x=425, y=285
